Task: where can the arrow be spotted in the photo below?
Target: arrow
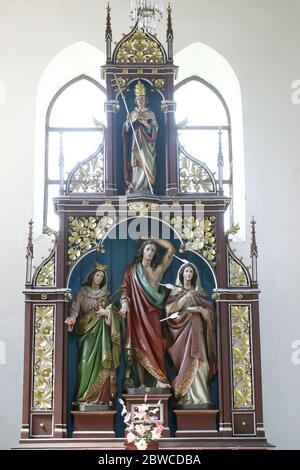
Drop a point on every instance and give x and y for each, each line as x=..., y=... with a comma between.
x=171, y=286
x=171, y=317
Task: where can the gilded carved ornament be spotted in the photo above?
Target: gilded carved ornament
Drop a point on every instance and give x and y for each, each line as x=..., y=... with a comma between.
x=198, y=235
x=85, y=233
x=140, y=48
x=89, y=176
x=241, y=356
x=43, y=357
x=45, y=273
x=193, y=177
x=141, y=208
x=236, y=270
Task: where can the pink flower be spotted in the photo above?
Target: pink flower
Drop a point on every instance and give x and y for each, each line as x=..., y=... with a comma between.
x=160, y=427
x=130, y=437
x=143, y=425
x=141, y=444
x=141, y=411
x=143, y=407
x=140, y=414
x=140, y=429
x=156, y=433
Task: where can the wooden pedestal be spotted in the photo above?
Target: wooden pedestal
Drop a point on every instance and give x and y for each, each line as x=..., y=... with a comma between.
x=196, y=423
x=93, y=424
x=135, y=399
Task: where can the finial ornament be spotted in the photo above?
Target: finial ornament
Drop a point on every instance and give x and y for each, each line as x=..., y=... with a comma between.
x=29, y=254
x=254, y=251
x=169, y=22
x=140, y=89
x=30, y=225
x=108, y=33
x=170, y=33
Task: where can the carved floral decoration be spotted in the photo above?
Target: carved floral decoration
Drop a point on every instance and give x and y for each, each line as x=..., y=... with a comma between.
x=86, y=233
x=43, y=358
x=140, y=48
x=198, y=235
x=241, y=356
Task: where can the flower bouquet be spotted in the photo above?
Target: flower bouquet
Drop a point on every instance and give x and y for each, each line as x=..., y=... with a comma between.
x=143, y=426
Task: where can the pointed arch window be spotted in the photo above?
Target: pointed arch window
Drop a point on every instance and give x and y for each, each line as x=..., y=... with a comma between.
x=75, y=132
x=203, y=125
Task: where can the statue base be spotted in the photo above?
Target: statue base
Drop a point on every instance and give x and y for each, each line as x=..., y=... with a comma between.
x=138, y=192
x=147, y=390
x=93, y=424
x=154, y=395
x=90, y=407
x=196, y=421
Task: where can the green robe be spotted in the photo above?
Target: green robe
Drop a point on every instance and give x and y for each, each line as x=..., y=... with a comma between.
x=99, y=344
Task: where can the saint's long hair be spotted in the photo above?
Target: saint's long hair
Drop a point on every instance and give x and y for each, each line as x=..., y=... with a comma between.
x=194, y=278
x=139, y=256
x=90, y=278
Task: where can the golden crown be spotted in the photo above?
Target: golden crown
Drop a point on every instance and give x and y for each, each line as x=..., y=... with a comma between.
x=100, y=267
x=140, y=89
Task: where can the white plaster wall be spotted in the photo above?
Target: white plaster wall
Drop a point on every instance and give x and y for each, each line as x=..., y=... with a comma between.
x=260, y=41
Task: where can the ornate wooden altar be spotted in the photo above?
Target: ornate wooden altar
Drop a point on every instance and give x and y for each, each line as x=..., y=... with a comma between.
x=89, y=212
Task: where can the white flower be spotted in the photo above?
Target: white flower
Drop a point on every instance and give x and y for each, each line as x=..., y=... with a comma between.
x=140, y=429
x=143, y=408
x=156, y=433
x=130, y=437
x=127, y=418
x=141, y=444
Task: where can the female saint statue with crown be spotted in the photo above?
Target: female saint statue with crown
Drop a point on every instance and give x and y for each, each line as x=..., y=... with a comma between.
x=97, y=325
x=139, y=140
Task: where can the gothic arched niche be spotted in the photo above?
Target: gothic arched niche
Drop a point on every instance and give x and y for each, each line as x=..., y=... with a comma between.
x=153, y=102
x=118, y=251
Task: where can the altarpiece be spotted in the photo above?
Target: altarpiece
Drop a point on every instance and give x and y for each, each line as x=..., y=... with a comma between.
x=139, y=175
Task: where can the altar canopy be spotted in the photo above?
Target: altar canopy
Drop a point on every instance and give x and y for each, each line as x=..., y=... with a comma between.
x=149, y=216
